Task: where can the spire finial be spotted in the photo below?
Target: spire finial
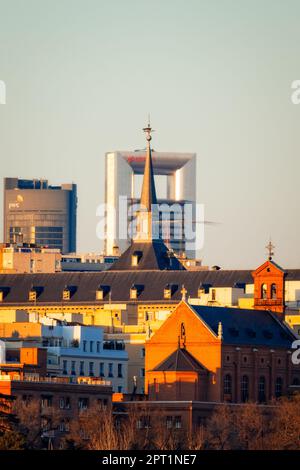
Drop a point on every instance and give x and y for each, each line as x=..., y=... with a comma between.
x=270, y=247
x=148, y=131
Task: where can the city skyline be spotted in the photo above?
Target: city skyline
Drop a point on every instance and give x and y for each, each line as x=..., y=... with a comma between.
x=77, y=86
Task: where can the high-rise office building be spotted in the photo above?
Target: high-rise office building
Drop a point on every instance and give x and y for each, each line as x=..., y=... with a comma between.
x=35, y=212
x=177, y=173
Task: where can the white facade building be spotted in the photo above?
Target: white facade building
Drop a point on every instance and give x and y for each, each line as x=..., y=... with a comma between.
x=77, y=350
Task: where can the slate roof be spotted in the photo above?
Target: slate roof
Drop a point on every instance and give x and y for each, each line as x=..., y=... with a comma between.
x=153, y=255
x=16, y=286
x=180, y=360
x=247, y=327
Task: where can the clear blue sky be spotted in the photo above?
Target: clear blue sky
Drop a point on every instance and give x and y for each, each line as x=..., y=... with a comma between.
x=216, y=77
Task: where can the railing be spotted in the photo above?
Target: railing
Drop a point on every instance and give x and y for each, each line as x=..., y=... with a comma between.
x=57, y=380
x=268, y=302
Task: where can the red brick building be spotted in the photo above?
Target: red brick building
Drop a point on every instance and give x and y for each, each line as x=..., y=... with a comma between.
x=220, y=354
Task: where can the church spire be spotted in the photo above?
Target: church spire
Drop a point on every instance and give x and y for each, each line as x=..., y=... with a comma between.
x=148, y=196
x=147, y=226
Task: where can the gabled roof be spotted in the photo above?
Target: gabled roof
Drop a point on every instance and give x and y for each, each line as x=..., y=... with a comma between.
x=180, y=360
x=267, y=263
x=153, y=255
x=247, y=327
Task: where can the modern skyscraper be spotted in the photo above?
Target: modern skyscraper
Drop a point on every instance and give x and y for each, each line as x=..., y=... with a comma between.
x=35, y=212
x=178, y=170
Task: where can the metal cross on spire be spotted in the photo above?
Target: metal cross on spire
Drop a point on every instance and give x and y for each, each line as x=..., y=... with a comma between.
x=270, y=247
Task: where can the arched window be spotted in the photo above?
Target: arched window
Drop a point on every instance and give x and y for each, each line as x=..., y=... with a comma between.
x=278, y=387
x=245, y=388
x=227, y=384
x=262, y=389
x=273, y=291
x=264, y=291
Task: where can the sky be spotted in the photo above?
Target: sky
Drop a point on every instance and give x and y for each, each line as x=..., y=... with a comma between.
x=82, y=76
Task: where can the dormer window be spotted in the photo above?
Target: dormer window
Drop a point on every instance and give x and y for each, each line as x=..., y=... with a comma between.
x=135, y=258
x=167, y=292
x=66, y=293
x=133, y=292
x=101, y=292
x=32, y=295
x=201, y=291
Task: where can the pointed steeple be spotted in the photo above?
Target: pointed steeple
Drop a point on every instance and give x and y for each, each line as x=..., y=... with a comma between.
x=148, y=196
x=147, y=216
x=147, y=250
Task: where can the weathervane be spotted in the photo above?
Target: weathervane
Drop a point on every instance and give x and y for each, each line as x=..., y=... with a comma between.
x=270, y=247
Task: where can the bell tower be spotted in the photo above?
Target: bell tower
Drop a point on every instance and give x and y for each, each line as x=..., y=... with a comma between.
x=269, y=285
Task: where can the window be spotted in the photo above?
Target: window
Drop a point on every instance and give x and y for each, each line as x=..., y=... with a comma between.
x=273, y=291
x=98, y=346
x=262, y=389
x=65, y=364
x=143, y=352
x=64, y=425
x=99, y=294
x=46, y=401
x=133, y=293
x=120, y=389
x=169, y=422
x=81, y=371
x=91, y=346
x=227, y=384
x=278, y=387
x=167, y=292
x=66, y=294
x=178, y=422
x=143, y=422
x=84, y=345
x=245, y=359
x=32, y=295
x=64, y=403
x=73, y=368
x=45, y=424
x=264, y=290
x=120, y=370
x=101, y=369
x=245, y=388
x=134, y=260
x=83, y=403
x=110, y=369
x=91, y=369
x=201, y=291
x=142, y=372
x=213, y=294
